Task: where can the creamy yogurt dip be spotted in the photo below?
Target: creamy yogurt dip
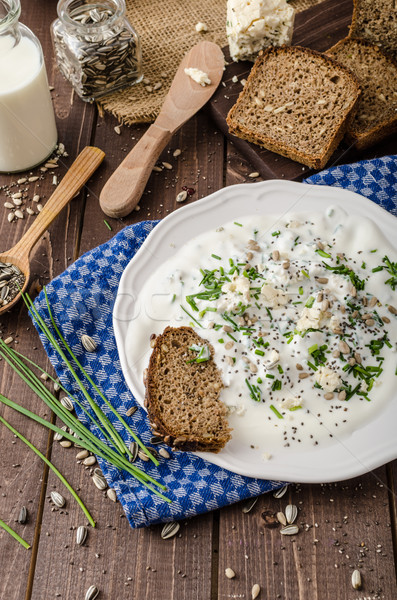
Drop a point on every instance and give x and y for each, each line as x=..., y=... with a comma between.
x=301, y=316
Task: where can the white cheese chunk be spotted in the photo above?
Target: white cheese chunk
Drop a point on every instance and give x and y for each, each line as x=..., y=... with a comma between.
x=198, y=76
x=201, y=27
x=309, y=318
x=273, y=297
x=327, y=378
x=255, y=24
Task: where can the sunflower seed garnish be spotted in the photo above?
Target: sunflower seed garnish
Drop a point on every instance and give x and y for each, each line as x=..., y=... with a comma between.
x=58, y=436
x=81, y=535
x=280, y=493
x=291, y=512
x=58, y=500
x=111, y=494
x=156, y=439
x=356, y=579
x=169, y=530
x=88, y=343
x=131, y=411
x=134, y=451
x=290, y=530
x=249, y=505
x=256, y=590
x=23, y=515
x=281, y=518
x=99, y=481
x=67, y=403
x=91, y=593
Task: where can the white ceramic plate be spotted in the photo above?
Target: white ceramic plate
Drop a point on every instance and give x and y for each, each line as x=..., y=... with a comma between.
x=370, y=446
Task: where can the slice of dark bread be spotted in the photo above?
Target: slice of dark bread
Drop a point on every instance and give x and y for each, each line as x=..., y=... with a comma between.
x=376, y=116
x=376, y=22
x=296, y=102
x=182, y=397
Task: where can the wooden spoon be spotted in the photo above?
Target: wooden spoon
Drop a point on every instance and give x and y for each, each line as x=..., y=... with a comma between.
x=124, y=188
x=81, y=170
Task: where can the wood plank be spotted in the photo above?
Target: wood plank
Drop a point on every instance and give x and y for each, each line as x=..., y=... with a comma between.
x=343, y=526
x=23, y=485
x=318, y=27
x=137, y=563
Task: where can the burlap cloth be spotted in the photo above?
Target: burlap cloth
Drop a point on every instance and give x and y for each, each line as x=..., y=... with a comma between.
x=167, y=31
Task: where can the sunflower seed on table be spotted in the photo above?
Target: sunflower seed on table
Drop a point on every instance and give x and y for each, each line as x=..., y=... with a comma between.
x=280, y=493
x=143, y=456
x=111, y=494
x=88, y=343
x=81, y=535
x=256, y=590
x=67, y=403
x=281, y=518
x=182, y=196
x=91, y=593
x=89, y=461
x=230, y=574
x=170, y=529
x=131, y=411
x=65, y=443
x=356, y=579
x=249, y=505
x=99, y=481
x=58, y=499
x=23, y=515
x=82, y=454
x=291, y=512
x=290, y=530
x=164, y=453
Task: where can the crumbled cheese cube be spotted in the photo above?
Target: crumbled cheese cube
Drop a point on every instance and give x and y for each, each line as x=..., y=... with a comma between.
x=201, y=27
x=327, y=378
x=309, y=318
x=234, y=292
x=255, y=24
x=198, y=76
x=273, y=297
x=290, y=402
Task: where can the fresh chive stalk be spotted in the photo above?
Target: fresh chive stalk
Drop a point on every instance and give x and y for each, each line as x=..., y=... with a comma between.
x=14, y=534
x=51, y=466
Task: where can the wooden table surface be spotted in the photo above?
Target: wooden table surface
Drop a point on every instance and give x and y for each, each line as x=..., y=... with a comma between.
x=343, y=526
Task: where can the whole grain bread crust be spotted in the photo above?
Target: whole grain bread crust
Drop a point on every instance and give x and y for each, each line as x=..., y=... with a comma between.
x=171, y=435
x=381, y=130
x=316, y=162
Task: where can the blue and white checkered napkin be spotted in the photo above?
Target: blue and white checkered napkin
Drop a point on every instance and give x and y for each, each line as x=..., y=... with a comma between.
x=82, y=300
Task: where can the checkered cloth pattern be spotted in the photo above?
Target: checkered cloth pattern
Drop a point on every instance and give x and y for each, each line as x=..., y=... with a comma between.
x=82, y=301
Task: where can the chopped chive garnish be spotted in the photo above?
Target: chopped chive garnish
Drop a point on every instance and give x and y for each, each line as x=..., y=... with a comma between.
x=269, y=376
x=255, y=392
x=231, y=336
x=107, y=225
x=312, y=348
x=274, y=409
x=323, y=254
x=221, y=341
x=276, y=233
x=312, y=366
x=259, y=353
x=238, y=224
x=269, y=313
x=173, y=298
x=375, y=250
x=301, y=290
x=280, y=369
x=277, y=385
x=259, y=380
x=310, y=302
x=305, y=274
x=293, y=408
x=191, y=316
x=216, y=256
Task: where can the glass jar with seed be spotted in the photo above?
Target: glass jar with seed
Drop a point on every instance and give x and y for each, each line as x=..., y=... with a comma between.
x=96, y=47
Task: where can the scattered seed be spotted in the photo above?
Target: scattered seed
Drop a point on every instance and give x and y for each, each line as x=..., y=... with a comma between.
x=343, y=347
x=33, y=179
x=275, y=255
x=30, y=211
x=89, y=461
x=157, y=86
x=303, y=375
x=65, y=443
x=117, y=130
x=19, y=214
x=111, y=494
x=134, y=451
x=81, y=535
x=10, y=217
x=254, y=175
x=22, y=180
x=356, y=579
x=36, y=198
x=167, y=165
x=67, y=403
x=91, y=593
x=8, y=205
x=249, y=505
x=281, y=518
x=181, y=197
x=256, y=590
x=230, y=574
x=9, y=340
x=39, y=207
x=177, y=152
x=157, y=169
x=131, y=411
x=58, y=499
x=169, y=530
x=23, y=515
x=99, y=481
x=291, y=512
x=82, y=455
x=143, y=456
x=392, y=309
x=17, y=202
x=373, y=302
x=16, y=196
x=290, y=530
x=88, y=343
x=164, y=453
x=280, y=492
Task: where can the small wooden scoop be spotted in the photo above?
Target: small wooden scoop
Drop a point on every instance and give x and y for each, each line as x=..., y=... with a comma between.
x=81, y=170
x=124, y=188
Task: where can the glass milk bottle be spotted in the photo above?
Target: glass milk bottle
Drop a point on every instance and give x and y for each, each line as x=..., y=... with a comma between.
x=28, y=132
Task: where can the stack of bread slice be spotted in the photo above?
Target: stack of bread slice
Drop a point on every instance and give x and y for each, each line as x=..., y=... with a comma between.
x=300, y=103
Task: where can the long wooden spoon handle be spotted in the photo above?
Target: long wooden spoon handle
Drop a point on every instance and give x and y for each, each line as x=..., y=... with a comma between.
x=124, y=188
x=80, y=171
